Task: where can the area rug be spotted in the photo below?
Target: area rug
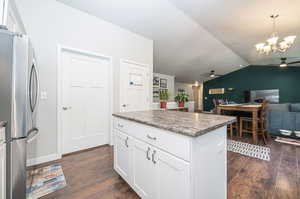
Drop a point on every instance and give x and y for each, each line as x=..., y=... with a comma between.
x=43, y=181
x=251, y=150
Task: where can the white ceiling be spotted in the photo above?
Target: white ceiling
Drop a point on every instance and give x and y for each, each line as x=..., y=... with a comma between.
x=192, y=37
x=242, y=24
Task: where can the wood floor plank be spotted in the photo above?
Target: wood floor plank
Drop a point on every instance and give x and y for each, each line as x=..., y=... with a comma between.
x=287, y=179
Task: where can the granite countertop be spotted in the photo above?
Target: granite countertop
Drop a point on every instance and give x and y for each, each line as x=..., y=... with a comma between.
x=185, y=123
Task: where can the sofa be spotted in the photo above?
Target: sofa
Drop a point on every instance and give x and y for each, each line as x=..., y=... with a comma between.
x=283, y=117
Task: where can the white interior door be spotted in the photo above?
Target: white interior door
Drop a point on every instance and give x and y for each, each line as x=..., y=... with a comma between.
x=85, y=101
x=134, y=87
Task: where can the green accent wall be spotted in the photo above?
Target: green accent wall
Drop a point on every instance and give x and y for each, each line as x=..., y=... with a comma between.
x=287, y=80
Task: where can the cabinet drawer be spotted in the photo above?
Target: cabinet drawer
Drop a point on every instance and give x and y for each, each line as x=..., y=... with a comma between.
x=172, y=143
x=122, y=125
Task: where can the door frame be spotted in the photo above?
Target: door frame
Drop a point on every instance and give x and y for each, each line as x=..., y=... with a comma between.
x=60, y=50
x=150, y=90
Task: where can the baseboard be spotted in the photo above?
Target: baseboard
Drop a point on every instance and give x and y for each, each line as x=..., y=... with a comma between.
x=42, y=159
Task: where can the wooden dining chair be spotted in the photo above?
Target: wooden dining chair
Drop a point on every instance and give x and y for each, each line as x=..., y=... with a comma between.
x=232, y=127
x=246, y=123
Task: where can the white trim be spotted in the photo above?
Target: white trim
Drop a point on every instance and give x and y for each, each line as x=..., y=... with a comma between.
x=43, y=159
x=60, y=49
x=133, y=62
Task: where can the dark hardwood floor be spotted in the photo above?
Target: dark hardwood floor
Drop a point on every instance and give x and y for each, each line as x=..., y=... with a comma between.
x=90, y=175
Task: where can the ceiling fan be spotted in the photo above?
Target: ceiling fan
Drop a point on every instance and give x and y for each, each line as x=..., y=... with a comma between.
x=211, y=74
x=284, y=62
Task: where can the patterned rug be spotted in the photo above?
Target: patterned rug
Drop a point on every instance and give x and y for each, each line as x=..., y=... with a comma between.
x=251, y=150
x=45, y=180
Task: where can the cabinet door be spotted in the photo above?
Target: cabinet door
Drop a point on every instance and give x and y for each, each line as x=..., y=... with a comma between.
x=122, y=163
x=172, y=176
x=2, y=171
x=3, y=11
x=143, y=170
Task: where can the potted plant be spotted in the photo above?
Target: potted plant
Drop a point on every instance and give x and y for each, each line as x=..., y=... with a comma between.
x=181, y=98
x=163, y=97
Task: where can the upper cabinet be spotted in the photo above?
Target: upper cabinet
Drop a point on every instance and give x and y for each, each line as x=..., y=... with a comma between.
x=3, y=11
x=10, y=16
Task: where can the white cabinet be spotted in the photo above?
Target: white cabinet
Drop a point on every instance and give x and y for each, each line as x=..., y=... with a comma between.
x=122, y=154
x=2, y=171
x=143, y=170
x=172, y=175
x=9, y=16
x=159, y=164
x=3, y=11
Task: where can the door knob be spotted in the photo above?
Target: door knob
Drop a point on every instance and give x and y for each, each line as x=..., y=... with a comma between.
x=66, y=108
x=124, y=105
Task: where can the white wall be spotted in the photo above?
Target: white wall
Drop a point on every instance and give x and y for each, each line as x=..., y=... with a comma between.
x=171, y=84
x=187, y=87
x=50, y=23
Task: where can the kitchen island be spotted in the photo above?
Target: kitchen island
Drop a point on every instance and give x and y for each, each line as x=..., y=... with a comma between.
x=172, y=155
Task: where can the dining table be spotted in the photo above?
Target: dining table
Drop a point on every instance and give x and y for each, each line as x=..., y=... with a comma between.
x=251, y=108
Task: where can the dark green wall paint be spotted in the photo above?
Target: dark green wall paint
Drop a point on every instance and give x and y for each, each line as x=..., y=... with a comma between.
x=287, y=80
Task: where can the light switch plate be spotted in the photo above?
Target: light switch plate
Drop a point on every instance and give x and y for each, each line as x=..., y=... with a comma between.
x=44, y=95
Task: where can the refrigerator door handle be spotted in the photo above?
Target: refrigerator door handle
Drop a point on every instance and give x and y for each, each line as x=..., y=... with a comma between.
x=37, y=99
x=32, y=135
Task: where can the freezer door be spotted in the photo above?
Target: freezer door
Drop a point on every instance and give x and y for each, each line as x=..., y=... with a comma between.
x=20, y=121
x=17, y=169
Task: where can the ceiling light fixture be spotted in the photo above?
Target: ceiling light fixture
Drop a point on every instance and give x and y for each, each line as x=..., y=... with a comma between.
x=273, y=45
x=212, y=74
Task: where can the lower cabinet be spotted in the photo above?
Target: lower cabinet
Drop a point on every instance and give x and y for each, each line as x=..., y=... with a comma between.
x=2, y=171
x=173, y=177
x=152, y=173
x=122, y=156
x=152, y=162
x=144, y=169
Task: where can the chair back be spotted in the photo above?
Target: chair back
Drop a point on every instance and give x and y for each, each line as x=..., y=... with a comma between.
x=264, y=109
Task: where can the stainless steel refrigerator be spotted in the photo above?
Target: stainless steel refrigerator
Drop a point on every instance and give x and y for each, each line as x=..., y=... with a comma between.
x=19, y=91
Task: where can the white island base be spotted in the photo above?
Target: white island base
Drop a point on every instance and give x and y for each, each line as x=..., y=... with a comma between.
x=160, y=164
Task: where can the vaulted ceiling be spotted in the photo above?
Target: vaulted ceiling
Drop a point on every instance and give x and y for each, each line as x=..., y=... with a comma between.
x=192, y=37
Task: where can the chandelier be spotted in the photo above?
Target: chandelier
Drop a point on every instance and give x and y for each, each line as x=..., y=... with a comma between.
x=273, y=44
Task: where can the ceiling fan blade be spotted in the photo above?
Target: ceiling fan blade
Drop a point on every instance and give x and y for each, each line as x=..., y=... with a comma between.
x=294, y=62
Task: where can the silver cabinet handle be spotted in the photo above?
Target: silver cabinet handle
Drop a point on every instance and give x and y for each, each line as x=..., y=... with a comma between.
x=151, y=138
x=148, y=151
x=126, y=142
x=120, y=125
x=153, y=157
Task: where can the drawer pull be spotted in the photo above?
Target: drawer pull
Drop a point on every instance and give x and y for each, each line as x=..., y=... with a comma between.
x=126, y=142
x=148, y=151
x=153, y=157
x=151, y=138
x=120, y=125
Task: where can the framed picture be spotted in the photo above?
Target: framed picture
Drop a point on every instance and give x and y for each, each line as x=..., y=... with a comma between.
x=156, y=81
x=163, y=83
